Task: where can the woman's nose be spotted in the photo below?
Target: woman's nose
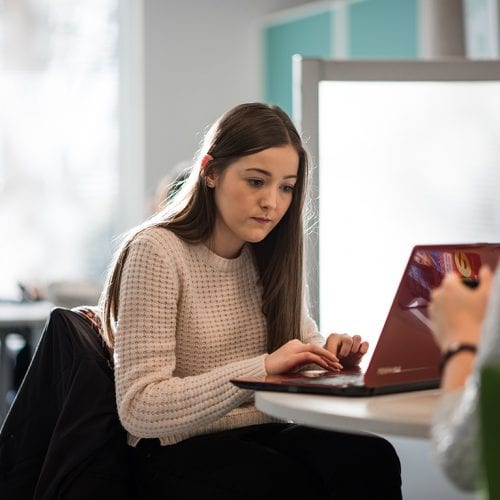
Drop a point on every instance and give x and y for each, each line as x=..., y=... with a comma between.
x=269, y=199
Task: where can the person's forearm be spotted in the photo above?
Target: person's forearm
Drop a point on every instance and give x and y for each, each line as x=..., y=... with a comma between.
x=456, y=371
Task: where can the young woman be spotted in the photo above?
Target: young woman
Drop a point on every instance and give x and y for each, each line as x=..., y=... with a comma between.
x=210, y=289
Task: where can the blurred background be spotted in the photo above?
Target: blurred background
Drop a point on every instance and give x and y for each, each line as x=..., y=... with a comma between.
x=102, y=99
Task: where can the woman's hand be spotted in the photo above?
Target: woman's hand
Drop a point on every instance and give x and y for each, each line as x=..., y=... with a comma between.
x=456, y=311
x=295, y=354
x=349, y=350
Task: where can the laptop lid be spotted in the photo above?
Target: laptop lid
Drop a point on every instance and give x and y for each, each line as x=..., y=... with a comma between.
x=406, y=350
x=406, y=357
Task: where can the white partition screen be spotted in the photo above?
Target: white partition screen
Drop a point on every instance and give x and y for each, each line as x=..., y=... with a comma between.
x=408, y=153
x=400, y=163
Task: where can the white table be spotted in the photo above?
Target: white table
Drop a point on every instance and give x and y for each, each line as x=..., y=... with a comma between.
x=406, y=414
x=16, y=317
x=24, y=313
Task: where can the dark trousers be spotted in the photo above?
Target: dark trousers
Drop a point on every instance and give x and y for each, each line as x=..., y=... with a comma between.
x=272, y=461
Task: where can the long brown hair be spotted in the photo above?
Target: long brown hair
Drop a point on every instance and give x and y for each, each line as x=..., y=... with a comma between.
x=190, y=214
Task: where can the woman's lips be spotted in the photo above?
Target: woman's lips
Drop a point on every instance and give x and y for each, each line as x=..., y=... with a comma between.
x=261, y=220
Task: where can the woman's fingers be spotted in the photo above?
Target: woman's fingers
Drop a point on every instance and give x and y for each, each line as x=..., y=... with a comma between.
x=332, y=343
x=349, y=349
x=356, y=343
x=295, y=354
x=313, y=353
x=343, y=344
x=363, y=348
x=345, y=348
x=308, y=357
x=320, y=351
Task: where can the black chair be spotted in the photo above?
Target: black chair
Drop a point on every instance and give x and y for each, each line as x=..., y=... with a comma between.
x=62, y=437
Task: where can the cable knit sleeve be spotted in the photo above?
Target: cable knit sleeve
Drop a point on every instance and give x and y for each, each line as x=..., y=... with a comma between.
x=310, y=334
x=309, y=328
x=152, y=401
x=455, y=426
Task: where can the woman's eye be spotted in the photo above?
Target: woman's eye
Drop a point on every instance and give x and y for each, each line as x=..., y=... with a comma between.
x=288, y=188
x=255, y=182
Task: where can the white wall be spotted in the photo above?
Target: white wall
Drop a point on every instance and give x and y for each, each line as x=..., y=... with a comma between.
x=201, y=58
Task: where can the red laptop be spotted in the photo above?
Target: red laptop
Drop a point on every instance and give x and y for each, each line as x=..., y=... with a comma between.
x=406, y=357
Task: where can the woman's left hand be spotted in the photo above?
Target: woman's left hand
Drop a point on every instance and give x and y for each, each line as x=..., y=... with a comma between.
x=349, y=350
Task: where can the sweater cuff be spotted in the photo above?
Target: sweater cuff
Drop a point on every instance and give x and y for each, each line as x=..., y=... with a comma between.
x=264, y=364
x=257, y=367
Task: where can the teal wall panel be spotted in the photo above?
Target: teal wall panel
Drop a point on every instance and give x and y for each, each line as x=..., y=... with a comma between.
x=383, y=29
x=309, y=36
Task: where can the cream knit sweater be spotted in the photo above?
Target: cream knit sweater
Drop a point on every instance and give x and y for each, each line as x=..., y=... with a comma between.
x=188, y=322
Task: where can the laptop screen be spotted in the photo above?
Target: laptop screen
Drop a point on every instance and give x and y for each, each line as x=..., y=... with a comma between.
x=406, y=348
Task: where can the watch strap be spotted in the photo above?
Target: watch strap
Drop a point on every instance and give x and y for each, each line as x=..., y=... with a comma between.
x=455, y=349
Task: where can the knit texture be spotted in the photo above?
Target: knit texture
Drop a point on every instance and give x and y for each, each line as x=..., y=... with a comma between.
x=188, y=322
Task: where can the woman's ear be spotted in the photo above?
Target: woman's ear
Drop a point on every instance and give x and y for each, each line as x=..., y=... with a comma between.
x=206, y=171
x=210, y=180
